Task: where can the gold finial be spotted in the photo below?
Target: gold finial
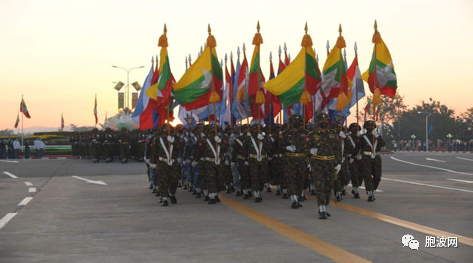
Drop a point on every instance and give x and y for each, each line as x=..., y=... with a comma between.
x=258, y=27
x=210, y=30
x=375, y=26
x=165, y=28
x=340, y=29
x=306, y=28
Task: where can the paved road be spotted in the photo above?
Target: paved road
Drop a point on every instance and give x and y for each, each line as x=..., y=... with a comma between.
x=72, y=220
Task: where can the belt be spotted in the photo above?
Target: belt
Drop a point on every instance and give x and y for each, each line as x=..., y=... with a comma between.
x=202, y=159
x=110, y=143
x=256, y=156
x=277, y=155
x=241, y=157
x=295, y=154
x=323, y=158
x=124, y=142
x=210, y=159
x=369, y=153
x=162, y=159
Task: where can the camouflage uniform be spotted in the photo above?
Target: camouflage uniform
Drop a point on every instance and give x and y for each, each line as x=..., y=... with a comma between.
x=351, y=142
x=240, y=160
x=371, y=159
x=295, y=143
x=325, y=155
x=109, y=145
x=124, y=145
x=277, y=163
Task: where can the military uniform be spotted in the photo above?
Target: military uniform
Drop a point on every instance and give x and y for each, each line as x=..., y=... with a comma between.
x=351, y=143
x=240, y=160
x=124, y=145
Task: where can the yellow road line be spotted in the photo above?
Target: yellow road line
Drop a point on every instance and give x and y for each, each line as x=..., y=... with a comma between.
x=335, y=253
x=399, y=222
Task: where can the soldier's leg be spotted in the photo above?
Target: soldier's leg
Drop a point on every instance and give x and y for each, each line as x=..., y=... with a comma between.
x=377, y=172
x=197, y=180
x=204, y=179
x=367, y=176
x=236, y=179
x=244, y=177
x=254, y=175
x=165, y=177
x=319, y=181
x=265, y=175
x=354, y=174
x=157, y=181
x=173, y=181
x=212, y=174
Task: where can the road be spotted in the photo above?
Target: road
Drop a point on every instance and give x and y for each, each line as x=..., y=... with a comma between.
x=106, y=213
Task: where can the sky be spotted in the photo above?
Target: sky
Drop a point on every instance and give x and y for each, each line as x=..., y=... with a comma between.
x=58, y=54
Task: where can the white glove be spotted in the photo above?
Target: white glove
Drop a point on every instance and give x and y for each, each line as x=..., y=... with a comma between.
x=248, y=134
x=94, y=140
x=313, y=151
x=291, y=148
x=227, y=162
x=363, y=131
x=338, y=168
x=105, y=141
x=280, y=132
x=194, y=164
x=232, y=164
x=232, y=135
x=358, y=157
x=152, y=165
x=246, y=163
x=217, y=139
x=129, y=147
x=343, y=159
x=185, y=139
x=375, y=133
x=351, y=160
x=202, y=134
x=270, y=135
x=260, y=137
x=119, y=140
x=170, y=139
x=179, y=160
x=342, y=134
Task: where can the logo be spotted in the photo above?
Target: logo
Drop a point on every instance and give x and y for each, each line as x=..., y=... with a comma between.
x=409, y=241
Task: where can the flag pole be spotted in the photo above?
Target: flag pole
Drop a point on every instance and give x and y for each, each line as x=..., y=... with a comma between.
x=356, y=91
x=213, y=90
x=259, y=77
x=22, y=131
x=313, y=102
x=246, y=87
x=340, y=92
x=271, y=117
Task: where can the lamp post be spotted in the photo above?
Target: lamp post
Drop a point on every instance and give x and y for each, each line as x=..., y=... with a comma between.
x=413, y=141
x=426, y=129
x=127, y=90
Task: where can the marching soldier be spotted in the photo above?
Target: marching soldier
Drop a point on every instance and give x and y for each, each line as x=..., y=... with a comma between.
x=325, y=159
x=354, y=158
x=295, y=143
x=370, y=145
x=124, y=145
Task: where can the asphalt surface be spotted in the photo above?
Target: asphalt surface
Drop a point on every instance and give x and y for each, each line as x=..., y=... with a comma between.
x=70, y=219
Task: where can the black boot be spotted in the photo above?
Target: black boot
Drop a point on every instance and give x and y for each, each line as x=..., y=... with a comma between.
x=228, y=191
x=212, y=201
x=250, y=194
x=323, y=215
x=302, y=198
x=299, y=204
x=154, y=191
x=173, y=200
x=207, y=198
x=217, y=199
x=269, y=190
x=158, y=193
x=258, y=200
x=313, y=192
x=344, y=192
x=278, y=192
x=246, y=196
x=357, y=195
x=165, y=203
x=238, y=193
x=284, y=196
x=294, y=205
x=339, y=198
x=370, y=198
x=150, y=187
x=198, y=195
x=232, y=188
x=191, y=189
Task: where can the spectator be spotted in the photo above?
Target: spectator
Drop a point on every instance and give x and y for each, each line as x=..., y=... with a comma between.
x=16, y=149
x=27, y=150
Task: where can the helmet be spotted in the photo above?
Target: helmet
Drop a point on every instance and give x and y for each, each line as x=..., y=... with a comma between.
x=354, y=126
x=294, y=118
x=369, y=123
x=322, y=116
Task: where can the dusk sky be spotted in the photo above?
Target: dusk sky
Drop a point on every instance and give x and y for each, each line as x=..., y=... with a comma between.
x=58, y=54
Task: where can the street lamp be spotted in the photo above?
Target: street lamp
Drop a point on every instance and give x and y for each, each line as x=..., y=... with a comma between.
x=426, y=129
x=413, y=141
x=127, y=90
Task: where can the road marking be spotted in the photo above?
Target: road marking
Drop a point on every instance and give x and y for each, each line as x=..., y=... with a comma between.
x=471, y=160
x=32, y=190
x=435, y=160
x=28, y=184
x=335, y=253
x=6, y=218
x=402, y=223
x=429, y=185
x=463, y=181
x=25, y=201
x=8, y=161
x=362, y=187
x=90, y=181
x=11, y=175
x=447, y=170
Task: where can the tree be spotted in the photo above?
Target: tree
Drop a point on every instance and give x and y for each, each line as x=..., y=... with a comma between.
x=6, y=132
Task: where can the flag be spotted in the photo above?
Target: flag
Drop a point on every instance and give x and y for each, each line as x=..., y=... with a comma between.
x=139, y=115
x=161, y=90
x=121, y=100
x=275, y=103
x=119, y=86
x=227, y=116
x=431, y=127
x=136, y=85
x=354, y=75
x=300, y=76
x=381, y=72
x=62, y=122
x=24, y=109
x=194, y=89
x=134, y=99
x=334, y=79
x=17, y=120
x=95, y=110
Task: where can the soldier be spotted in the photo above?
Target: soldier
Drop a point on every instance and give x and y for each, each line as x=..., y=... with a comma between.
x=109, y=144
x=325, y=158
x=3, y=149
x=342, y=176
x=353, y=158
x=196, y=161
x=95, y=145
x=257, y=148
x=277, y=163
x=124, y=145
x=166, y=156
x=240, y=160
x=370, y=145
x=295, y=143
